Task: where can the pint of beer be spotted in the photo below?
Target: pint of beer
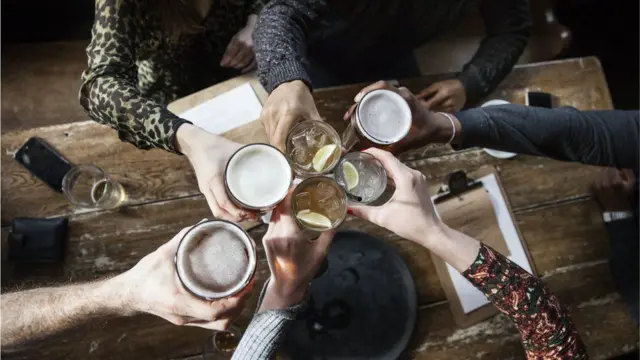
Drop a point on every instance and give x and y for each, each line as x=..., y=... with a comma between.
x=215, y=259
x=381, y=119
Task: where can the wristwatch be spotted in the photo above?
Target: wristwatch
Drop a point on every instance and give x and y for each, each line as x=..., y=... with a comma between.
x=609, y=216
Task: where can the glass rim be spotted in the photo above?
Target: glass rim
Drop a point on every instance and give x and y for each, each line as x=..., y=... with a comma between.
x=236, y=288
x=242, y=204
x=366, y=134
x=340, y=189
x=329, y=128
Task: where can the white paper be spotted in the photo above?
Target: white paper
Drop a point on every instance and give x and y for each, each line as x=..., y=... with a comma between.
x=226, y=111
x=470, y=297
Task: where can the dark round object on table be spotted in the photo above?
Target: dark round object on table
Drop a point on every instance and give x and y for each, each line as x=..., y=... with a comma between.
x=363, y=307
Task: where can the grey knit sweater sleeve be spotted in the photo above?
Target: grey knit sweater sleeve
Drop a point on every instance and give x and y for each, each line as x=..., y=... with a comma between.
x=266, y=331
x=507, y=27
x=600, y=137
x=280, y=40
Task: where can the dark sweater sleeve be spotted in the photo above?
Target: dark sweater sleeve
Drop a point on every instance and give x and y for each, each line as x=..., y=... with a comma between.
x=599, y=137
x=544, y=324
x=507, y=26
x=280, y=40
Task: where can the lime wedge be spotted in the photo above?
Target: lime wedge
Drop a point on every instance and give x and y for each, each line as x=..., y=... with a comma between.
x=351, y=176
x=322, y=156
x=314, y=219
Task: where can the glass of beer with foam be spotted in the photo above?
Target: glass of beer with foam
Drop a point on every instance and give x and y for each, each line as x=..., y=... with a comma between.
x=258, y=177
x=215, y=259
x=381, y=119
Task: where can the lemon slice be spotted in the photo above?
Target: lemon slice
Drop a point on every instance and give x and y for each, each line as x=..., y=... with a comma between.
x=314, y=219
x=351, y=176
x=322, y=156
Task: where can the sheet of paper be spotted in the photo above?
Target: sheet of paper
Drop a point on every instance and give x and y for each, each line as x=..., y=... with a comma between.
x=227, y=111
x=470, y=297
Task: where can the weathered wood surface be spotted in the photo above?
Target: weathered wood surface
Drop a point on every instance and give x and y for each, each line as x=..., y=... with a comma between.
x=560, y=224
x=156, y=175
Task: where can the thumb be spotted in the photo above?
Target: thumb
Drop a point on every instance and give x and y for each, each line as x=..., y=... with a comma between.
x=365, y=212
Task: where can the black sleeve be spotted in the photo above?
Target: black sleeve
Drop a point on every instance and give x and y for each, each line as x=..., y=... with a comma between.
x=599, y=137
x=507, y=26
x=280, y=40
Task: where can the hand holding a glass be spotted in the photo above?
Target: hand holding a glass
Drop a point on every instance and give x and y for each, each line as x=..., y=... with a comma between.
x=293, y=259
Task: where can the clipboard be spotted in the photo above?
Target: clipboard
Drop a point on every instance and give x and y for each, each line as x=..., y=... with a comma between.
x=476, y=204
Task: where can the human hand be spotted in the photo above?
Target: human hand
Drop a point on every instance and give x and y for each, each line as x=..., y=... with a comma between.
x=288, y=103
x=428, y=127
x=293, y=259
x=239, y=53
x=152, y=286
x=614, y=189
x=410, y=212
x=209, y=154
x=446, y=96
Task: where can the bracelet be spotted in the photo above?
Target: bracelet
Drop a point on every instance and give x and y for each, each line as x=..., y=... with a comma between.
x=453, y=125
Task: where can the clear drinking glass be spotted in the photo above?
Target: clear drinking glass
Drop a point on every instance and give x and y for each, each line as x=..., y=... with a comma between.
x=313, y=148
x=362, y=176
x=222, y=343
x=319, y=204
x=89, y=187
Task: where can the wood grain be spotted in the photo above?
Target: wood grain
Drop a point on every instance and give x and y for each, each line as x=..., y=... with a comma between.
x=156, y=175
x=559, y=222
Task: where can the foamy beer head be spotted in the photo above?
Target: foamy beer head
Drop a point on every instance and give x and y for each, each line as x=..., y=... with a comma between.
x=383, y=117
x=258, y=176
x=215, y=259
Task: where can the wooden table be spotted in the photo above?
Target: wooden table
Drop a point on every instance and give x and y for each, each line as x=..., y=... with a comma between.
x=560, y=223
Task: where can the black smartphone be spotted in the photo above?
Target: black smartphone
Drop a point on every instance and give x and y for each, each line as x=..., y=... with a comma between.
x=44, y=161
x=539, y=99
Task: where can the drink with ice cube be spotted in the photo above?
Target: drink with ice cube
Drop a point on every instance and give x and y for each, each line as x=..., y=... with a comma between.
x=313, y=147
x=362, y=176
x=319, y=203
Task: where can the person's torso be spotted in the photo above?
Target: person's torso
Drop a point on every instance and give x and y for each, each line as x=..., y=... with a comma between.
x=170, y=68
x=372, y=31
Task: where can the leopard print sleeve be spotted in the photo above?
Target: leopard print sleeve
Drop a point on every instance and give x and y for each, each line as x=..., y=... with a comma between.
x=109, y=93
x=545, y=325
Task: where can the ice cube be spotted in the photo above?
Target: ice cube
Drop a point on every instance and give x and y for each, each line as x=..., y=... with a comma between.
x=367, y=194
x=310, y=135
x=325, y=191
x=301, y=156
x=322, y=140
x=303, y=201
x=299, y=140
x=329, y=207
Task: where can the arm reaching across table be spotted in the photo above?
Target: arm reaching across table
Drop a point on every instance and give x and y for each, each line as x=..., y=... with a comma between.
x=544, y=324
x=293, y=262
x=150, y=287
x=595, y=137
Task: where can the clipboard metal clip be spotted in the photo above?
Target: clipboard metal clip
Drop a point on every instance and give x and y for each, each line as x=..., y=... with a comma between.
x=458, y=184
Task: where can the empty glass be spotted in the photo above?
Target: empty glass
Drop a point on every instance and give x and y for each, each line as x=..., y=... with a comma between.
x=88, y=186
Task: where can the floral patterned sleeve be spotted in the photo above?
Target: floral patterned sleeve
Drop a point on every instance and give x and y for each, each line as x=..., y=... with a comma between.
x=109, y=90
x=545, y=325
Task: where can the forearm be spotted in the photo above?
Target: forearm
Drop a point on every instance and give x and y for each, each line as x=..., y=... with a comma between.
x=38, y=313
x=508, y=26
x=268, y=327
x=606, y=138
x=545, y=325
x=113, y=100
x=280, y=40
